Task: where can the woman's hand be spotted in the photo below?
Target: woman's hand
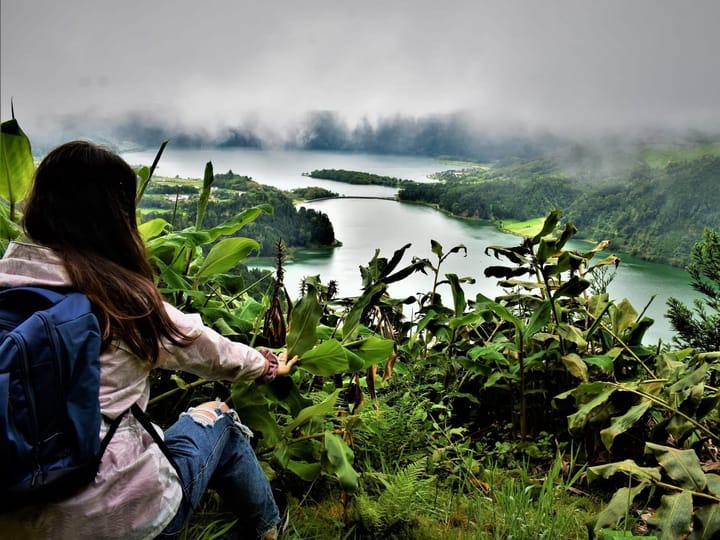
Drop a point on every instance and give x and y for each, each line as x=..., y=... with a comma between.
x=285, y=365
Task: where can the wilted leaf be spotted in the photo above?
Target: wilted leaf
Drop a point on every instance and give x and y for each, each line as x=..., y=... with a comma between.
x=623, y=316
x=573, y=335
x=683, y=466
x=575, y=366
x=620, y=424
x=617, y=508
x=628, y=467
x=674, y=517
x=708, y=517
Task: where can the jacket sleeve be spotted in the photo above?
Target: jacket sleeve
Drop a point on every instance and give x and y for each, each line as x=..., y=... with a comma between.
x=211, y=355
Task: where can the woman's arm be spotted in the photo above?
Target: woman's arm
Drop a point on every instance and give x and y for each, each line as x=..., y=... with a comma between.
x=213, y=356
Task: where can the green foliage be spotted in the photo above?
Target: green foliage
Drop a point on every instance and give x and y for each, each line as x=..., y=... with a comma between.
x=356, y=177
x=312, y=193
x=690, y=502
x=550, y=361
x=699, y=328
x=16, y=166
x=227, y=195
x=653, y=211
x=395, y=500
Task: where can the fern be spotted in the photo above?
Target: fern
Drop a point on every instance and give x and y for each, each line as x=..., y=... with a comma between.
x=404, y=495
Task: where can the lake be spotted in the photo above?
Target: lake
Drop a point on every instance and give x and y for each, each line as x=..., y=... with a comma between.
x=363, y=225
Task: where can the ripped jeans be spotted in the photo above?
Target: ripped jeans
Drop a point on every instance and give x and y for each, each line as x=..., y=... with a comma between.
x=211, y=448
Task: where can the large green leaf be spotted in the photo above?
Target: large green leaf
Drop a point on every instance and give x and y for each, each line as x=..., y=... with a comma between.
x=674, y=517
x=708, y=519
x=9, y=230
x=683, y=466
x=620, y=424
x=623, y=316
x=16, y=163
x=324, y=408
x=457, y=293
x=604, y=361
x=595, y=404
x=372, y=350
x=340, y=456
x=258, y=418
x=172, y=278
x=618, y=507
x=237, y=222
x=713, y=483
x=328, y=358
x=302, y=333
x=538, y=320
x=306, y=471
x=153, y=228
x=351, y=324
x=572, y=287
x=226, y=255
x=549, y=225
x=354, y=362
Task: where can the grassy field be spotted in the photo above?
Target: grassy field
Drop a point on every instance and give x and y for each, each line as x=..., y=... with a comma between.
x=521, y=228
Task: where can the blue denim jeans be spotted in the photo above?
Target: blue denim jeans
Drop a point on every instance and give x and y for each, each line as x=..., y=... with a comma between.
x=217, y=454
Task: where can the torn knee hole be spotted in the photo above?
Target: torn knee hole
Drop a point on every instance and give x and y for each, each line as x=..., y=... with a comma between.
x=204, y=416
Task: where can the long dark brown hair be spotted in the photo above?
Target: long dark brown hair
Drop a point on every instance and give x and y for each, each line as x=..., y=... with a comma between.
x=82, y=205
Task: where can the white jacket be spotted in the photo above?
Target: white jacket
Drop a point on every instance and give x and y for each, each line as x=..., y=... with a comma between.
x=136, y=491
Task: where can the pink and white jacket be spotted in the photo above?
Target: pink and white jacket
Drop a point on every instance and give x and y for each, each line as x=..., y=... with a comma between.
x=136, y=491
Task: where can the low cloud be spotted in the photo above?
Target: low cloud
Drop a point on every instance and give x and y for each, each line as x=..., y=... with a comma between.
x=257, y=71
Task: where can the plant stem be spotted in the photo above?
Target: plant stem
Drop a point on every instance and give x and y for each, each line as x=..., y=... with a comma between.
x=189, y=386
x=629, y=350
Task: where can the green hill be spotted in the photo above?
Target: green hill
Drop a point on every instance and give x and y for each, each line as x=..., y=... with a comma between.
x=653, y=203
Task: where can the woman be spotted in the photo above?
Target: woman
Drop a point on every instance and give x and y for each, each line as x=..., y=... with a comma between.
x=80, y=217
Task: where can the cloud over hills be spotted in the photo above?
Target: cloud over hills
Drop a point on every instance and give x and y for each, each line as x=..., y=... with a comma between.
x=266, y=73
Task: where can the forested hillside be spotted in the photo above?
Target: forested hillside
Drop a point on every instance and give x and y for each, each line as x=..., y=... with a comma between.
x=233, y=193
x=654, y=210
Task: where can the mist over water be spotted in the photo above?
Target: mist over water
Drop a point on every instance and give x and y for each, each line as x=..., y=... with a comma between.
x=284, y=168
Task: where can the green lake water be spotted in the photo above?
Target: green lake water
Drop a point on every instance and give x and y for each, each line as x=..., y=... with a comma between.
x=364, y=225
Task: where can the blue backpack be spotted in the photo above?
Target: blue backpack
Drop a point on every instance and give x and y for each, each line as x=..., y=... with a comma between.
x=49, y=395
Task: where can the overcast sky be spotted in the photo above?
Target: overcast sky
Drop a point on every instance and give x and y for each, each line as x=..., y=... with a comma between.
x=538, y=63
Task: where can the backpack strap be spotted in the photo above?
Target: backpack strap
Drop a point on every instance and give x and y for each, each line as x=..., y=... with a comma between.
x=110, y=432
x=145, y=422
